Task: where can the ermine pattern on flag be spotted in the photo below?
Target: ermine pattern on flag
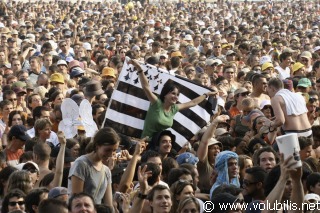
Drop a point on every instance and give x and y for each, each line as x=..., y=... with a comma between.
x=129, y=105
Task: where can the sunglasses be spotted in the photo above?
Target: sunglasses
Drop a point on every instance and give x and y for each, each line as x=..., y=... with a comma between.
x=312, y=100
x=102, y=41
x=13, y=203
x=217, y=46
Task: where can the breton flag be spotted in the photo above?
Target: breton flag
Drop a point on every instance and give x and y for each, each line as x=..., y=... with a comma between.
x=128, y=105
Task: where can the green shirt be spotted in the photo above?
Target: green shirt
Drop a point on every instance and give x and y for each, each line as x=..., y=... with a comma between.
x=157, y=119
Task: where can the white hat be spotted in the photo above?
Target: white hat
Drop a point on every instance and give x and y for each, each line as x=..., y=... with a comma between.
x=150, y=41
x=151, y=22
x=188, y=38
x=206, y=32
x=87, y=46
x=166, y=29
x=316, y=48
x=220, y=132
x=22, y=166
x=312, y=196
x=265, y=103
x=62, y=62
x=265, y=59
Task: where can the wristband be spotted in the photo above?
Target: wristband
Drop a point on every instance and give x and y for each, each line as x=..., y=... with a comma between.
x=142, y=196
x=140, y=71
x=206, y=95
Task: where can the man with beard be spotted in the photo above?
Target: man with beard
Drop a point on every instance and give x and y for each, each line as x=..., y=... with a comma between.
x=226, y=164
x=253, y=183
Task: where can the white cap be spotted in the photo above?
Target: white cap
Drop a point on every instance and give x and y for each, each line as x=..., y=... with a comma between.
x=188, y=38
x=166, y=29
x=206, y=32
x=316, y=48
x=87, y=46
x=312, y=196
x=265, y=103
x=265, y=59
x=150, y=41
x=62, y=62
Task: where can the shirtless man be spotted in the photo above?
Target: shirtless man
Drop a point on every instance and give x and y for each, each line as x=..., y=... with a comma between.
x=259, y=83
x=289, y=109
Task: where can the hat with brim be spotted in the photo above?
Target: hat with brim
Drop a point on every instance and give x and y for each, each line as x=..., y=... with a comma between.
x=19, y=90
x=93, y=88
x=176, y=54
x=297, y=66
x=240, y=90
x=213, y=141
x=154, y=143
x=108, y=71
x=57, y=77
x=266, y=66
x=220, y=132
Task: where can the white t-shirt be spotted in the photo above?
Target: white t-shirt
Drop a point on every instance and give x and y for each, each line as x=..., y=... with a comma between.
x=283, y=73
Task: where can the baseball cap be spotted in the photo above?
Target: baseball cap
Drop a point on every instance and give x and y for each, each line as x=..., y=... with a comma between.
x=76, y=71
x=188, y=38
x=230, y=52
x=304, y=82
x=187, y=157
x=19, y=131
x=62, y=62
x=306, y=54
x=316, y=48
x=312, y=196
x=87, y=46
x=57, y=191
x=265, y=59
x=265, y=103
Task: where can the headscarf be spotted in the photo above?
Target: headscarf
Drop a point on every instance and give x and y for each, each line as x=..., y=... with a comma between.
x=221, y=166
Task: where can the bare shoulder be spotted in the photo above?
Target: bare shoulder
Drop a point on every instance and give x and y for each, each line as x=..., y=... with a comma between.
x=277, y=100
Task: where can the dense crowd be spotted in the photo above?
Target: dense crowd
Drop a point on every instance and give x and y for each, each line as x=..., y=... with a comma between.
x=261, y=62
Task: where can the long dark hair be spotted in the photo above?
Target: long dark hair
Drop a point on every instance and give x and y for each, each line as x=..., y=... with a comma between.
x=168, y=87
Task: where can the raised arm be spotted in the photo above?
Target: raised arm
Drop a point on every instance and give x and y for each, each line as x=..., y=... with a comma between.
x=195, y=101
x=144, y=82
x=138, y=201
x=57, y=179
x=209, y=133
x=277, y=192
x=128, y=175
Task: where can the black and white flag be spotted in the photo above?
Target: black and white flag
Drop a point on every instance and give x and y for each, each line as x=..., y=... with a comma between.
x=129, y=105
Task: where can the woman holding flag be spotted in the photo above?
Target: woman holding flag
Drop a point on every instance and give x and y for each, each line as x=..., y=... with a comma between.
x=163, y=108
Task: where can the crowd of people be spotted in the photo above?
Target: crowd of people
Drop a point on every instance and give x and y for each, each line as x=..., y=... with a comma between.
x=261, y=62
